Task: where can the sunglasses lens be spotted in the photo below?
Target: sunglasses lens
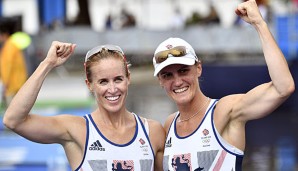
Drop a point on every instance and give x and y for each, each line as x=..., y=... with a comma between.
x=176, y=52
x=161, y=56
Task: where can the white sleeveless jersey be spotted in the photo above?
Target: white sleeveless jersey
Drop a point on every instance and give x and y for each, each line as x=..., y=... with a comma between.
x=204, y=149
x=104, y=155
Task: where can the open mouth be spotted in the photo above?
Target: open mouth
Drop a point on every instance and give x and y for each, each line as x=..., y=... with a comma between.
x=112, y=98
x=180, y=90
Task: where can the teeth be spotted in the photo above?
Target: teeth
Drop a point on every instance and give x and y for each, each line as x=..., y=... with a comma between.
x=113, y=98
x=180, y=90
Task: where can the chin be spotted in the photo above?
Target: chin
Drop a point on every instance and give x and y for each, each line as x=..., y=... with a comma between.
x=115, y=108
x=181, y=101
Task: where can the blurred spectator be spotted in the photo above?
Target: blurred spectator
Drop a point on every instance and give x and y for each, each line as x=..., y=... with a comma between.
x=225, y=10
x=178, y=20
x=109, y=22
x=83, y=17
x=211, y=18
x=195, y=18
x=13, y=71
x=127, y=19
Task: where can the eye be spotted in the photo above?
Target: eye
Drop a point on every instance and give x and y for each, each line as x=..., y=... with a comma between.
x=118, y=79
x=183, y=70
x=166, y=75
x=103, y=82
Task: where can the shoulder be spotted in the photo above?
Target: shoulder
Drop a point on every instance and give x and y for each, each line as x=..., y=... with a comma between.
x=226, y=104
x=225, y=109
x=156, y=134
x=154, y=125
x=155, y=128
x=73, y=124
x=70, y=117
x=168, y=121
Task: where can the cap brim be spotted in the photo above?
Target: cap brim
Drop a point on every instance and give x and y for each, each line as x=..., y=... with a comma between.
x=174, y=60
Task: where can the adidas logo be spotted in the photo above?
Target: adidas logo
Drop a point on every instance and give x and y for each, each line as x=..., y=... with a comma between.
x=169, y=143
x=96, y=146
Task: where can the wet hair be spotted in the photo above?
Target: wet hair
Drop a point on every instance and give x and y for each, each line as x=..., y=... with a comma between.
x=105, y=54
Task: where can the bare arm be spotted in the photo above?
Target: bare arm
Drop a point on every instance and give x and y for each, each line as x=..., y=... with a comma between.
x=157, y=138
x=34, y=127
x=265, y=98
x=168, y=122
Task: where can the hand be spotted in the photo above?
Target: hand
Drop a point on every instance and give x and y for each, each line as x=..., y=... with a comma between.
x=59, y=52
x=249, y=12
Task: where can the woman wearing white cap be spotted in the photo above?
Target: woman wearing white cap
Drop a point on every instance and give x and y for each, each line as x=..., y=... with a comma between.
x=111, y=137
x=209, y=134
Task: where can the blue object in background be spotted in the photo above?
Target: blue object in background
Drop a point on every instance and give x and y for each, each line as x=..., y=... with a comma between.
x=0, y=8
x=286, y=154
x=52, y=11
x=287, y=35
x=24, y=155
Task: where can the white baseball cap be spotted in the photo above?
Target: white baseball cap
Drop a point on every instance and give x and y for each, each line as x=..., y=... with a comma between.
x=188, y=59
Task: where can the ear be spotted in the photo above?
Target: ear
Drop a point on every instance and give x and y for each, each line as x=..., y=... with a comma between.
x=199, y=68
x=88, y=84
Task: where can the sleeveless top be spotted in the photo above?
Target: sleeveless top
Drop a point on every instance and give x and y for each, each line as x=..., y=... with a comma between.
x=204, y=149
x=104, y=155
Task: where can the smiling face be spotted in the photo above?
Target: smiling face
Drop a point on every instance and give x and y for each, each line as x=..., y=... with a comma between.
x=181, y=82
x=109, y=84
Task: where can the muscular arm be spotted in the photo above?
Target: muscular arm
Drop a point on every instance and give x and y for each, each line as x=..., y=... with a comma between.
x=34, y=127
x=264, y=98
x=233, y=111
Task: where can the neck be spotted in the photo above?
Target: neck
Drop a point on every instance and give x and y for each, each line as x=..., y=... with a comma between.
x=115, y=119
x=196, y=107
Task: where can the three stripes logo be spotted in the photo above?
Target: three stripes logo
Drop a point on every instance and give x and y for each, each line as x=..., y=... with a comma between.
x=96, y=146
x=169, y=143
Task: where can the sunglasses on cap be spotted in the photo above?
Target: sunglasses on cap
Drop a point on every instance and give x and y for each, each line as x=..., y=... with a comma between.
x=178, y=51
x=100, y=48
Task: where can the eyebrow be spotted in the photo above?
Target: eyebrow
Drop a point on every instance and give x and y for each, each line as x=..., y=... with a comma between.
x=184, y=66
x=118, y=76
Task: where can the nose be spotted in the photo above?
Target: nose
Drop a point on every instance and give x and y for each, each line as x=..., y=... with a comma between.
x=112, y=88
x=177, y=80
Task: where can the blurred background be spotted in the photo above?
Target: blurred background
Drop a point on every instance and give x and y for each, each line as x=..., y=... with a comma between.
x=231, y=52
